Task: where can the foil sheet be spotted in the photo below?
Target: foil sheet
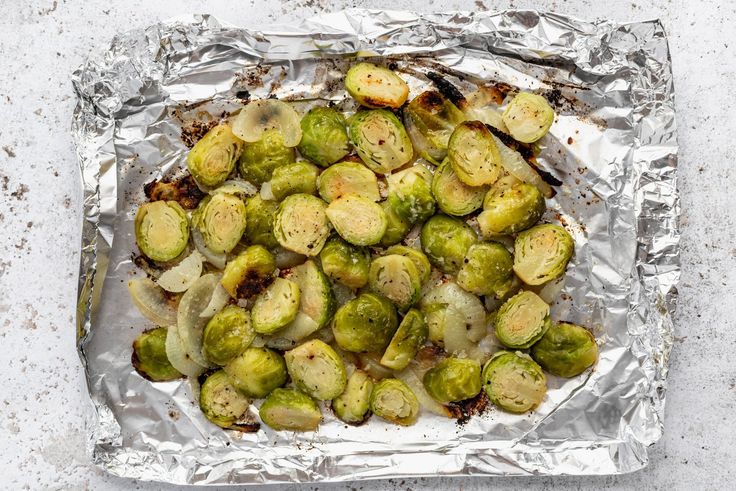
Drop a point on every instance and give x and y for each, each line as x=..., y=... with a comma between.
x=613, y=147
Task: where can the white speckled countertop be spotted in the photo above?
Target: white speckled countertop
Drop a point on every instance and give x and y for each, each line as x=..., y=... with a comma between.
x=42, y=436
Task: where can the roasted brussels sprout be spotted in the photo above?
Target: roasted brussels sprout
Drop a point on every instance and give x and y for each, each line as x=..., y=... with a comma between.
x=227, y=334
x=221, y=402
x=375, y=86
x=259, y=225
x=221, y=219
x=261, y=158
x=316, y=370
x=528, y=117
x=445, y=241
x=290, y=409
x=353, y=404
x=406, y=342
x=396, y=278
x=256, y=372
x=522, y=320
x=275, y=307
x=149, y=357
x=260, y=117
x=541, y=253
x=161, y=230
x=566, y=350
x=301, y=224
x=345, y=263
x=418, y=258
x=346, y=178
x=317, y=299
x=513, y=382
x=299, y=177
x=454, y=197
x=365, y=323
x=394, y=401
x=453, y=379
x=213, y=158
x=511, y=210
x=473, y=154
x=488, y=269
x=430, y=120
x=396, y=226
x=249, y=273
x=410, y=193
x=358, y=220
x=380, y=140
x=324, y=136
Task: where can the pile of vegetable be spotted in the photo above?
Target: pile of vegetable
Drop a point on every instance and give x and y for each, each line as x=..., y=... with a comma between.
x=380, y=264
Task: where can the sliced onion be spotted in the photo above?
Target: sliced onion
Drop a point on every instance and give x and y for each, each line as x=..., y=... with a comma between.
x=370, y=363
x=298, y=329
x=215, y=259
x=487, y=346
x=343, y=293
x=410, y=378
x=151, y=301
x=220, y=298
x=551, y=290
x=482, y=107
x=179, y=278
x=236, y=186
x=190, y=322
x=466, y=303
x=177, y=354
x=267, y=114
x=267, y=192
x=514, y=163
x=279, y=344
x=455, y=337
x=259, y=341
x=285, y=258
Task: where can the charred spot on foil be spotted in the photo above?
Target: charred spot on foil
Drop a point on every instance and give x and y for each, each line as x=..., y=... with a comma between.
x=148, y=265
x=249, y=427
x=183, y=190
x=462, y=411
x=447, y=89
x=546, y=176
x=193, y=131
x=253, y=284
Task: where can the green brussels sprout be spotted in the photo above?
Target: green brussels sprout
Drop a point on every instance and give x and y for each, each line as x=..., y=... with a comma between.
x=488, y=269
x=249, y=273
x=454, y=197
x=161, y=230
x=256, y=372
x=410, y=193
x=541, y=253
x=365, y=323
x=259, y=226
x=317, y=298
x=260, y=116
x=430, y=120
x=299, y=177
x=324, y=136
x=301, y=224
x=290, y=409
x=522, y=320
x=511, y=210
x=221, y=219
x=220, y=402
x=261, y=158
x=396, y=278
x=396, y=226
x=566, y=350
x=406, y=342
x=380, y=140
x=346, y=178
x=316, y=370
x=345, y=263
x=513, y=382
x=528, y=117
x=445, y=241
x=473, y=153
x=420, y=260
x=453, y=379
x=394, y=401
x=149, y=357
x=353, y=404
x=358, y=220
x=275, y=307
x=212, y=159
x=227, y=334
x=375, y=86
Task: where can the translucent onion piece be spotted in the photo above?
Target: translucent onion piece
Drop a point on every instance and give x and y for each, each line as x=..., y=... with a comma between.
x=215, y=259
x=267, y=192
x=482, y=107
x=298, y=329
x=468, y=304
x=220, y=298
x=151, y=301
x=514, y=163
x=177, y=354
x=410, y=378
x=179, y=278
x=456, y=338
x=342, y=293
x=190, y=321
x=551, y=290
x=487, y=346
x=236, y=186
x=285, y=258
x=266, y=114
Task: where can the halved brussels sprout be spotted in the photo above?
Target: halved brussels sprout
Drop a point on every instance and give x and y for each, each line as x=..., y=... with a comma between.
x=430, y=120
x=221, y=219
x=227, y=334
x=276, y=306
x=317, y=299
x=456, y=318
x=474, y=155
x=375, y=86
x=299, y=177
x=301, y=224
x=149, y=357
x=406, y=342
x=418, y=258
x=410, y=193
x=353, y=404
x=396, y=278
x=316, y=370
x=522, y=320
x=221, y=402
x=249, y=273
x=290, y=409
x=365, y=323
x=396, y=226
x=161, y=230
x=259, y=159
x=212, y=159
x=256, y=372
x=445, y=241
x=528, y=117
x=358, y=220
x=394, y=401
x=346, y=178
x=345, y=263
x=454, y=197
x=259, y=117
x=488, y=269
x=541, y=253
x=566, y=350
x=324, y=136
x=511, y=210
x=453, y=379
x=259, y=226
x=380, y=140
x=513, y=382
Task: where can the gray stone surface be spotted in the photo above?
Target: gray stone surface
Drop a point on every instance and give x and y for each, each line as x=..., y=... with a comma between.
x=42, y=394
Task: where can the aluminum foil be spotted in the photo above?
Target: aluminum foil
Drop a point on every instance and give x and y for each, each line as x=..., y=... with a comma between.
x=613, y=146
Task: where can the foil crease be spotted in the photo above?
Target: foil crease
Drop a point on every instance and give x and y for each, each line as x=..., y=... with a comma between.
x=613, y=147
